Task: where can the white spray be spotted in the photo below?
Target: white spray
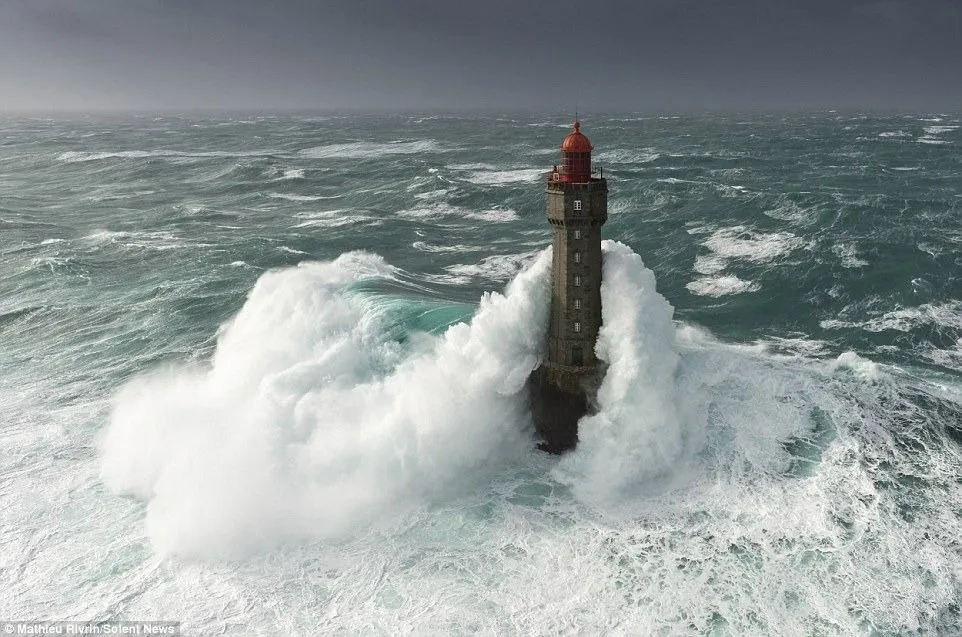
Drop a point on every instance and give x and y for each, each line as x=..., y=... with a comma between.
x=637, y=432
x=291, y=435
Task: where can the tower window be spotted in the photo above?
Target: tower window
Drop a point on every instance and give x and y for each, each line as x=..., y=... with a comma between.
x=577, y=234
x=577, y=358
x=577, y=204
x=577, y=327
x=577, y=280
x=577, y=257
x=577, y=304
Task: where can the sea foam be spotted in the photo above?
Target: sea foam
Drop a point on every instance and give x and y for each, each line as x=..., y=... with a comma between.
x=502, y=177
x=739, y=242
x=370, y=150
x=717, y=286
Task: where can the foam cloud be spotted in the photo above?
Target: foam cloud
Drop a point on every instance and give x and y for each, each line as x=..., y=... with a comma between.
x=295, y=431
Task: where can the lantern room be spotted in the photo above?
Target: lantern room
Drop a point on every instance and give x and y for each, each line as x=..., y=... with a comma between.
x=576, y=156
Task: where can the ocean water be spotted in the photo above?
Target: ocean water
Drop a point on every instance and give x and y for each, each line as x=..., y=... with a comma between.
x=264, y=376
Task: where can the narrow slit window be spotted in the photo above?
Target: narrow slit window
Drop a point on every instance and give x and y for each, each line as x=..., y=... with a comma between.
x=577, y=234
x=577, y=257
x=577, y=304
x=577, y=204
x=577, y=280
x=577, y=327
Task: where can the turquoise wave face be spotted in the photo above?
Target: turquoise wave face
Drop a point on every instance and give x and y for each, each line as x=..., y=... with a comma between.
x=277, y=335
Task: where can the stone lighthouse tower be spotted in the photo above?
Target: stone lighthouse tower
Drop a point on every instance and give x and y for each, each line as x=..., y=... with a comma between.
x=563, y=387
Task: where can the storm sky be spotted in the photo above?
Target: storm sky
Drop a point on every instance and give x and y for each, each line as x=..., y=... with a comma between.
x=605, y=55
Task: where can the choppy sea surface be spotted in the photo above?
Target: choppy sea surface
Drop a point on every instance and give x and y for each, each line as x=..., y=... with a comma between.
x=264, y=376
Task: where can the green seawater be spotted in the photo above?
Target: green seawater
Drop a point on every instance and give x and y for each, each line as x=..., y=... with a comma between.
x=814, y=265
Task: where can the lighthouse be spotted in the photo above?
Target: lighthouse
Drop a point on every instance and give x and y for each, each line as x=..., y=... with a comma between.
x=563, y=387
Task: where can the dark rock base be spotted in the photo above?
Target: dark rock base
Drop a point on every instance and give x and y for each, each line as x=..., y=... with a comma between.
x=555, y=412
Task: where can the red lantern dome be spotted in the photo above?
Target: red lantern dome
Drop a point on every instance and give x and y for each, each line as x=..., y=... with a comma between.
x=576, y=157
x=576, y=142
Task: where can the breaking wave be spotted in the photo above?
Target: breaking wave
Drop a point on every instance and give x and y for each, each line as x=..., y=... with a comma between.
x=74, y=156
x=501, y=177
x=370, y=150
x=293, y=432
x=309, y=420
x=717, y=286
x=743, y=243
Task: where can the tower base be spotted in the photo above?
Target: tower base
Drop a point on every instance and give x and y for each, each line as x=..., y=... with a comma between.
x=559, y=397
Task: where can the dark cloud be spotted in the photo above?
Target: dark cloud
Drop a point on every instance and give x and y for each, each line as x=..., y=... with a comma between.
x=389, y=54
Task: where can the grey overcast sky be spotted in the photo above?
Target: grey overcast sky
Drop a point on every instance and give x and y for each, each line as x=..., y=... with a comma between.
x=640, y=55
